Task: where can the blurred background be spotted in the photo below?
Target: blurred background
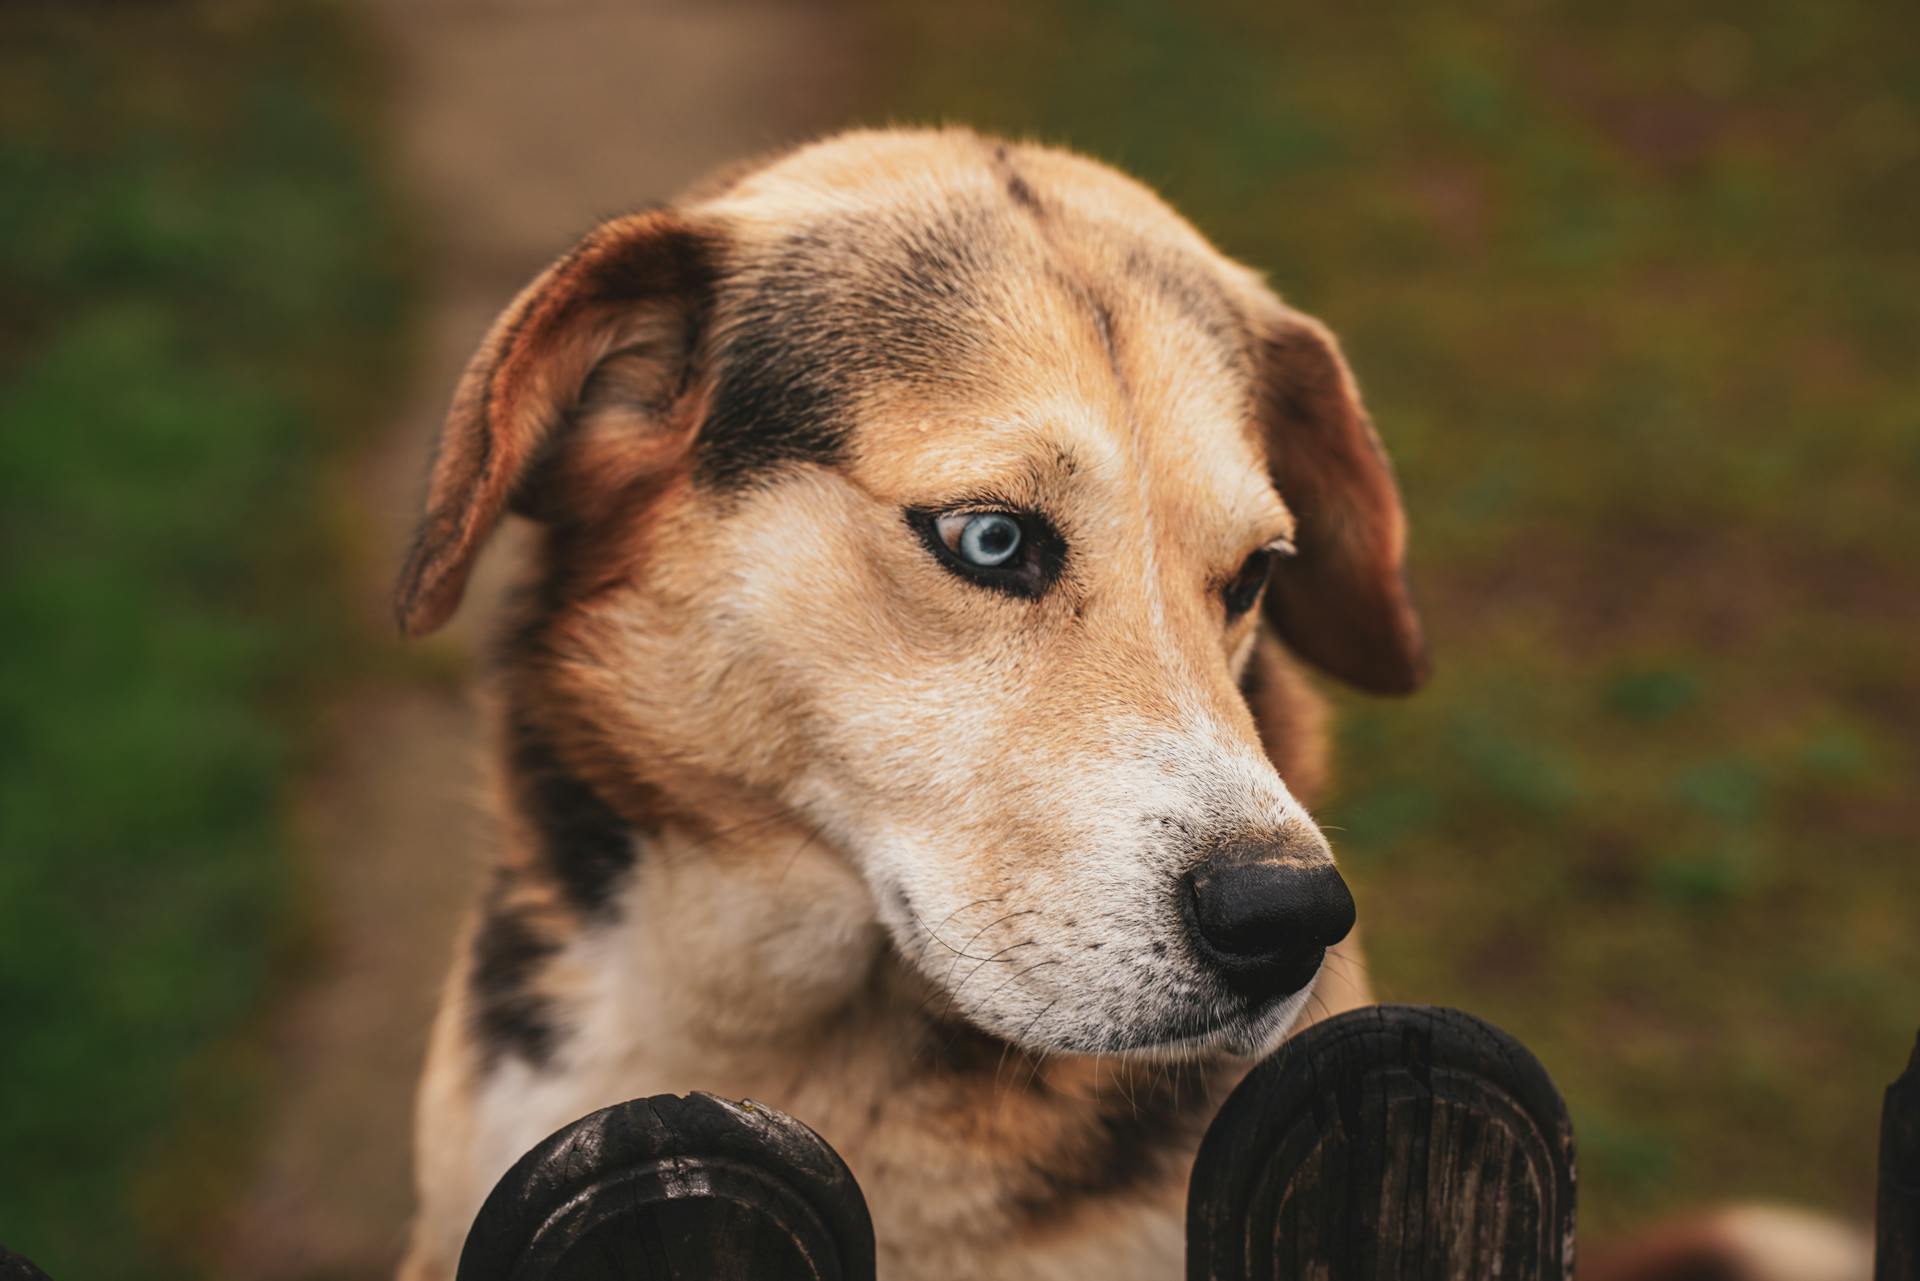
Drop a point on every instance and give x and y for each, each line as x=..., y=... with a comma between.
x=1634, y=289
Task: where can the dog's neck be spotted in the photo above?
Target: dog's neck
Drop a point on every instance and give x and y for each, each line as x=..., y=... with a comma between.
x=768, y=938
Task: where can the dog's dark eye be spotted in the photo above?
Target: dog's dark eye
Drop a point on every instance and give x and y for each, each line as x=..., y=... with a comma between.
x=1016, y=552
x=1244, y=588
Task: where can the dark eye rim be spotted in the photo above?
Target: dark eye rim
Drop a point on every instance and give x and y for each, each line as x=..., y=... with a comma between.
x=1242, y=592
x=1035, y=565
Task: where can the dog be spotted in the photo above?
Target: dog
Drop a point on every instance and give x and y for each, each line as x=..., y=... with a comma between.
x=902, y=721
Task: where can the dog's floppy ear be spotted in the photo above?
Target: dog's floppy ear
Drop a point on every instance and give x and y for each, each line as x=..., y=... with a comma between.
x=629, y=302
x=1342, y=602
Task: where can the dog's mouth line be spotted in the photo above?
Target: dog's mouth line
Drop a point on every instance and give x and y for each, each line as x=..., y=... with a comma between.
x=1243, y=1032
x=1246, y=1029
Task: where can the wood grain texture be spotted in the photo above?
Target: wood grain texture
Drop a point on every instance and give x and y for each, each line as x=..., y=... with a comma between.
x=1393, y=1143
x=1897, y=1249
x=675, y=1189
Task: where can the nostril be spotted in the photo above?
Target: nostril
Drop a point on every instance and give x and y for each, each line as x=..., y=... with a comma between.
x=1265, y=923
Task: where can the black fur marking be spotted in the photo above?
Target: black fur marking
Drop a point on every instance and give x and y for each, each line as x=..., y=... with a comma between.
x=508, y=1017
x=1022, y=194
x=1018, y=189
x=857, y=301
x=1193, y=289
x=844, y=304
x=776, y=401
x=584, y=844
x=1132, y=1136
x=1098, y=311
x=585, y=849
x=1103, y=322
x=1127, y=1138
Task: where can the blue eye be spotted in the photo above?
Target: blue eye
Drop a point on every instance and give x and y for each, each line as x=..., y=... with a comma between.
x=1019, y=553
x=988, y=539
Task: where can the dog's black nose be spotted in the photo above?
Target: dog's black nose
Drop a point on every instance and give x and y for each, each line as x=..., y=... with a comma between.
x=1265, y=923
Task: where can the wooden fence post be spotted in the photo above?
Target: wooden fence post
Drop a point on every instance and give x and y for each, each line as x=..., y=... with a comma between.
x=1403, y=1142
x=675, y=1189
x=15, y=1268
x=1897, y=1248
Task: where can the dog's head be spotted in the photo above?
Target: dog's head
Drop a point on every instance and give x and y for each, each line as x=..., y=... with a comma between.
x=934, y=491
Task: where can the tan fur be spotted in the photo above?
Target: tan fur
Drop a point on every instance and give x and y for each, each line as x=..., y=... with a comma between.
x=901, y=846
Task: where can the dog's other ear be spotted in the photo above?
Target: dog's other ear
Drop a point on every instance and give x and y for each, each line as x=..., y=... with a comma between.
x=1342, y=602
x=603, y=339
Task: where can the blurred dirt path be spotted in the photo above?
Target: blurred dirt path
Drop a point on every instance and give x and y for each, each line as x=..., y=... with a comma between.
x=520, y=122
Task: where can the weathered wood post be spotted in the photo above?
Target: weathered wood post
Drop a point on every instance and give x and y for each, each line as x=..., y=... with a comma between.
x=675, y=1189
x=1897, y=1216
x=1408, y=1143
x=15, y=1268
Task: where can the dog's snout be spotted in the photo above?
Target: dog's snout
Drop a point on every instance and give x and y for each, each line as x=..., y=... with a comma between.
x=1265, y=920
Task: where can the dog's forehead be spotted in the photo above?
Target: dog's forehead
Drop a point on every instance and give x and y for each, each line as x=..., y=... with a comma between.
x=957, y=307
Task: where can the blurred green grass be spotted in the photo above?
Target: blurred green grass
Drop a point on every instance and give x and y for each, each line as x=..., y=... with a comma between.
x=1635, y=293
x=205, y=285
